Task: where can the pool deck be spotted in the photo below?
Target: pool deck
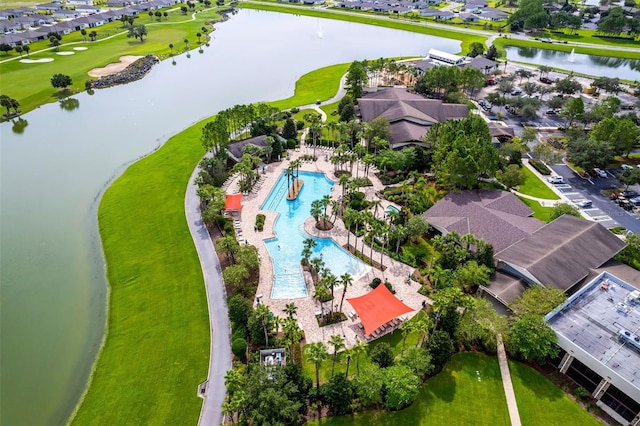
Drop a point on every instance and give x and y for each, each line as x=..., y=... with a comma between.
x=396, y=272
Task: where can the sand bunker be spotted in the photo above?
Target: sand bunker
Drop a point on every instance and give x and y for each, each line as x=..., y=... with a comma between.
x=115, y=67
x=80, y=48
x=36, y=61
x=65, y=53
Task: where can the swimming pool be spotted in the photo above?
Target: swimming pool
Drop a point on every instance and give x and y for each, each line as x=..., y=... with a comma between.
x=285, y=250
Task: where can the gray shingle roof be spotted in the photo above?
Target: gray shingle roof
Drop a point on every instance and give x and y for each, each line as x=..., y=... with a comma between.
x=497, y=217
x=505, y=288
x=398, y=106
x=562, y=252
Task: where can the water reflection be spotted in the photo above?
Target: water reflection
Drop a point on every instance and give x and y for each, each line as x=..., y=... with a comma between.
x=628, y=69
x=69, y=104
x=19, y=125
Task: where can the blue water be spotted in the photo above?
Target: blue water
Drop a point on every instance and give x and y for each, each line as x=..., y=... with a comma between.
x=391, y=208
x=286, y=249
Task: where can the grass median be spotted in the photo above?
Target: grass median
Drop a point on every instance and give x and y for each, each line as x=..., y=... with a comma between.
x=156, y=348
x=534, y=187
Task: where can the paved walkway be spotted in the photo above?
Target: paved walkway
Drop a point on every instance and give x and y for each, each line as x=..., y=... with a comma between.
x=514, y=415
x=220, y=347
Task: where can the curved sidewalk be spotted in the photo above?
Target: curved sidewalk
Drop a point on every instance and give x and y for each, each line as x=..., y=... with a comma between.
x=213, y=390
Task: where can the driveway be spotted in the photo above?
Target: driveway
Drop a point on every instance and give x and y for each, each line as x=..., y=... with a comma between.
x=603, y=210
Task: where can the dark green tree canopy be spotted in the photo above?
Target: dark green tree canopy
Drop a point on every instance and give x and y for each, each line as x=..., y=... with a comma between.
x=60, y=81
x=462, y=152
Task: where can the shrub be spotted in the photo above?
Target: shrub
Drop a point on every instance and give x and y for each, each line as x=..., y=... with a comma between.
x=362, y=181
x=291, y=144
x=260, y=218
x=382, y=355
x=375, y=282
x=239, y=347
x=581, y=392
x=540, y=166
x=299, y=125
x=295, y=110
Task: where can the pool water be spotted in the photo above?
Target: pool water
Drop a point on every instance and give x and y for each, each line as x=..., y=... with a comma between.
x=286, y=249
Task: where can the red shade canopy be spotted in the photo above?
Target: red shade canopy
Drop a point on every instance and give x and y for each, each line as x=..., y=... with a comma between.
x=233, y=202
x=377, y=308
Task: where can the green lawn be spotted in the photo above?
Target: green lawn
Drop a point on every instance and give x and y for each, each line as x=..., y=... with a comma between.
x=535, y=187
x=30, y=83
x=157, y=346
x=328, y=109
x=393, y=339
x=322, y=84
x=369, y=19
x=468, y=392
x=539, y=212
x=540, y=402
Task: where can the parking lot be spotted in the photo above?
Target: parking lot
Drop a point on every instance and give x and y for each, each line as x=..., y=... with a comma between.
x=602, y=209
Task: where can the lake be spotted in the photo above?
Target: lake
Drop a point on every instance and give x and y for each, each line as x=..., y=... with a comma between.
x=54, y=170
x=626, y=69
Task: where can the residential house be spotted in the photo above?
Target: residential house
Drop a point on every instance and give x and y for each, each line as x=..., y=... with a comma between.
x=66, y=14
x=80, y=2
x=13, y=40
x=492, y=14
x=87, y=9
x=50, y=6
x=468, y=17
x=119, y=3
x=409, y=115
x=473, y=6
x=437, y=14
x=500, y=133
x=11, y=26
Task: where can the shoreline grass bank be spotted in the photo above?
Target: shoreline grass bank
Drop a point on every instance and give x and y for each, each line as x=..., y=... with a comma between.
x=156, y=348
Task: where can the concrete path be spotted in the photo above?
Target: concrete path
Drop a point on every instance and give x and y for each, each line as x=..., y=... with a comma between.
x=213, y=390
x=514, y=415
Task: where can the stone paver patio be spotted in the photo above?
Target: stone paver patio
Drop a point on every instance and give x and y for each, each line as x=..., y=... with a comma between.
x=395, y=272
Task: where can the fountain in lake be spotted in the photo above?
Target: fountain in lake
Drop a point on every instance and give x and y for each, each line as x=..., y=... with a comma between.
x=572, y=56
x=320, y=33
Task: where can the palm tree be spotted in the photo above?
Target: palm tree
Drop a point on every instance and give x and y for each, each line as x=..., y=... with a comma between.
x=84, y=34
x=290, y=309
x=316, y=353
x=171, y=49
x=422, y=326
x=264, y=314
x=292, y=334
x=377, y=203
x=229, y=244
x=186, y=44
x=289, y=174
x=198, y=35
x=405, y=328
x=359, y=348
x=337, y=342
x=349, y=354
x=346, y=280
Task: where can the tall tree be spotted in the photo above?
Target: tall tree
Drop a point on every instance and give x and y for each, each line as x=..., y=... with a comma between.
x=316, y=353
x=533, y=339
x=337, y=342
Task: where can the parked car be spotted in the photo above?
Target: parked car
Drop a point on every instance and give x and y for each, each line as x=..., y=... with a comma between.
x=516, y=92
x=599, y=172
x=635, y=201
x=626, y=167
x=583, y=202
x=551, y=112
x=555, y=179
x=629, y=194
x=546, y=80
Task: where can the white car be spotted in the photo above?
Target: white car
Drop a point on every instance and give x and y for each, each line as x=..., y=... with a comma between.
x=555, y=179
x=626, y=167
x=583, y=202
x=600, y=172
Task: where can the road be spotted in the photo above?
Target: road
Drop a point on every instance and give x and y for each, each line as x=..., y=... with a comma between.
x=213, y=390
x=590, y=189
